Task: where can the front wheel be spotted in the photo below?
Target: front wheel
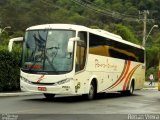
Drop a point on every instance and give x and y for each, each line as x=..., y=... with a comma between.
x=49, y=96
x=92, y=91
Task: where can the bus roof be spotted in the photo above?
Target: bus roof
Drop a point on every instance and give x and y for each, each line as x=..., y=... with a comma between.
x=99, y=32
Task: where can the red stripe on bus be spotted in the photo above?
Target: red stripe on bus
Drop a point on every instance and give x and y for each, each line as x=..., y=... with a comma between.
x=129, y=75
x=124, y=69
x=121, y=79
x=40, y=79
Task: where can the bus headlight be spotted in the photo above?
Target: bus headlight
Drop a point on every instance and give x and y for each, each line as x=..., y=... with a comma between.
x=64, y=81
x=25, y=80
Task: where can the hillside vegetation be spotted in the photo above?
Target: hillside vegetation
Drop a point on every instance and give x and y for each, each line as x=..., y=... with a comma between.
x=122, y=17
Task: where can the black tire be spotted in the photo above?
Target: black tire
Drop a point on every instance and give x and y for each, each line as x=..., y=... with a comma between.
x=49, y=96
x=92, y=91
x=130, y=91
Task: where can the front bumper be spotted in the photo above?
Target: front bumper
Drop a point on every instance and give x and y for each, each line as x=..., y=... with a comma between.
x=66, y=88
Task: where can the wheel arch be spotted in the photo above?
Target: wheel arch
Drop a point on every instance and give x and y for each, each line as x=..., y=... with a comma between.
x=95, y=80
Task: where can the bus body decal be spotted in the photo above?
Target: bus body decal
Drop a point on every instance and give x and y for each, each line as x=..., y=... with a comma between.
x=122, y=76
x=127, y=81
x=40, y=79
x=124, y=69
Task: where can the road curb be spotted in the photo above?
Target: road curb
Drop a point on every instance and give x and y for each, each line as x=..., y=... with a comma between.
x=151, y=88
x=18, y=94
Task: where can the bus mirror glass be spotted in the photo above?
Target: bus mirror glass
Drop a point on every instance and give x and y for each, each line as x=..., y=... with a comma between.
x=12, y=41
x=71, y=44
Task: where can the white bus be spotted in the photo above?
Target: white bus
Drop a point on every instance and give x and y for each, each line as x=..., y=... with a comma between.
x=74, y=59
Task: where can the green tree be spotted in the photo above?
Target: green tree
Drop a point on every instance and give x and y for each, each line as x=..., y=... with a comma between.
x=126, y=33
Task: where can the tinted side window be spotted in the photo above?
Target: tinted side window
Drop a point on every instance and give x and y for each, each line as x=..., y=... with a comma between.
x=106, y=47
x=98, y=45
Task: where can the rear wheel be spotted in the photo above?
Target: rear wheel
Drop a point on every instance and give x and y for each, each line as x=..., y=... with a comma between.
x=130, y=91
x=92, y=91
x=49, y=96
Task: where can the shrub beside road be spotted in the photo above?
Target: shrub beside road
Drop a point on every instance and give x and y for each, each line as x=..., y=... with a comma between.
x=9, y=70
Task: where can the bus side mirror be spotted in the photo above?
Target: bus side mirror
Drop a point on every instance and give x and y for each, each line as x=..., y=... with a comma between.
x=11, y=41
x=71, y=44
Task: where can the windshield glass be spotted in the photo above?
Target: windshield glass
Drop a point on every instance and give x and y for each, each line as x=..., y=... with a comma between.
x=46, y=51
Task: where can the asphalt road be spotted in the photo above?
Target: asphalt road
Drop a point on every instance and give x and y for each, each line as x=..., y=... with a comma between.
x=34, y=107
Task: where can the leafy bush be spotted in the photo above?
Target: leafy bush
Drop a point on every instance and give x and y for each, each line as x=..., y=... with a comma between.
x=9, y=70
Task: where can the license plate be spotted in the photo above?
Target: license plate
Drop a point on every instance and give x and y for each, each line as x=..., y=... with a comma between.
x=42, y=88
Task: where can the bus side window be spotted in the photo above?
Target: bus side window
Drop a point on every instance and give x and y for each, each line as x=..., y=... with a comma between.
x=81, y=51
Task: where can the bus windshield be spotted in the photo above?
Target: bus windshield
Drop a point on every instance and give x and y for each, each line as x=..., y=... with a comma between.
x=46, y=51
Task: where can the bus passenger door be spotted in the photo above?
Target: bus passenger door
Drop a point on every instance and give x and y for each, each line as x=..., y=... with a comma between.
x=81, y=51
x=80, y=60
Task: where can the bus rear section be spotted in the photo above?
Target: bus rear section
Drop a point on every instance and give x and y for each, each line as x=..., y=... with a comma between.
x=117, y=65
